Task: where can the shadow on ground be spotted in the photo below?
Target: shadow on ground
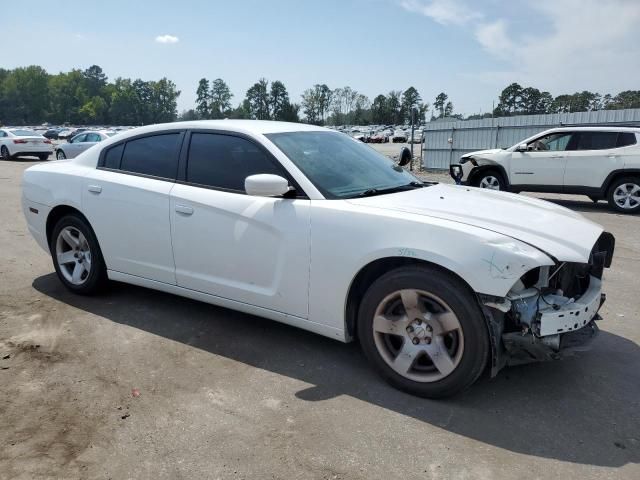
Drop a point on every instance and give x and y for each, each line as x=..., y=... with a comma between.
x=583, y=410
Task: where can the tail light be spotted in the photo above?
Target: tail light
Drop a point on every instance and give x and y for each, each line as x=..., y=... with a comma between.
x=46, y=141
x=19, y=141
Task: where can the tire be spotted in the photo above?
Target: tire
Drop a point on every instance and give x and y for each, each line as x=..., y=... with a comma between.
x=443, y=303
x=60, y=155
x=43, y=157
x=624, y=195
x=4, y=153
x=89, y=280
x=491, y=180
x=594, y=199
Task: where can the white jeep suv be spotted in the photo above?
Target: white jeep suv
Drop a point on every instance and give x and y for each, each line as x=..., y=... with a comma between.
x=600, y=162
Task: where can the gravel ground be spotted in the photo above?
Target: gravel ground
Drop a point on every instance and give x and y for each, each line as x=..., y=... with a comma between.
x=138, y=384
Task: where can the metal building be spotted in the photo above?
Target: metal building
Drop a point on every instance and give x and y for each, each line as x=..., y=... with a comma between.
x=444, y=142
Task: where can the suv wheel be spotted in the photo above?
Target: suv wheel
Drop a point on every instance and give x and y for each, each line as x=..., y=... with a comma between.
x=624, y=195
x=423, y=331
x=491, y=180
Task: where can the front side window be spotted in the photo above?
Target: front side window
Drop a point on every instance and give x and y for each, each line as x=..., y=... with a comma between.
x=78, y=139
x=597, y=140
x=93, y=137
x=552, y=142
x=341, y=167
x=155, y=155
x=225, y=161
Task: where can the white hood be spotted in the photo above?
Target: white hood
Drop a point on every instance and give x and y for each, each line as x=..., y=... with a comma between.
x=557, y=231
x=492, y=151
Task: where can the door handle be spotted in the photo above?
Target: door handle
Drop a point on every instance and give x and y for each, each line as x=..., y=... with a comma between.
x=94, y=188
x=184, y=209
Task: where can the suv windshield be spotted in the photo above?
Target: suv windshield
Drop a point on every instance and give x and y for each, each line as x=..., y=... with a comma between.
x=341, y=167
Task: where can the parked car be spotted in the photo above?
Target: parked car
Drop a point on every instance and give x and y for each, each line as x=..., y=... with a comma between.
x=306, y=226
x=600, y=162
x=399, y=136
x=20, y=142
x=65, y=133
x=417, y=136
x=80, y=143
x=51, y=134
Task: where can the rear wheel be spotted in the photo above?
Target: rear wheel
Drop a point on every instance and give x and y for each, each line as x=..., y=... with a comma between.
x=4, y=153
x=490, y=179
x=76, y=255
x=423, y=331
x=43, y=156
x=60, y=155
x=624, y=195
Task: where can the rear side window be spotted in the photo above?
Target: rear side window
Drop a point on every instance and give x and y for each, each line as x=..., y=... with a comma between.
x=625, y=139
x=156, y=155
x=597, y=140
x=224, y=161
x=113, y=156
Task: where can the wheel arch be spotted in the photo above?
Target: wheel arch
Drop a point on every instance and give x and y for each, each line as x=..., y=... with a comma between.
x=57, y=213
x=614, y=175
x=375, y=269
x=480, y=169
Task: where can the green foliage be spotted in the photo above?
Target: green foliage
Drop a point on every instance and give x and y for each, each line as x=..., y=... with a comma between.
x=29, y=95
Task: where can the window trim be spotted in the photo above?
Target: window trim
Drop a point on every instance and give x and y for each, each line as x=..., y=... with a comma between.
x=184, y=159
x=103, y=153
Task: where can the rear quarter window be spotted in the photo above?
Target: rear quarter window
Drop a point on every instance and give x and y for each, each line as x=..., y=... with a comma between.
x=625, y=139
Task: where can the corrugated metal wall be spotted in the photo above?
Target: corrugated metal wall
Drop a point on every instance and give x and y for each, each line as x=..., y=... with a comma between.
x=504, y=132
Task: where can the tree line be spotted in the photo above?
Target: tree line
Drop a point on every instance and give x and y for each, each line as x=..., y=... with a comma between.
x=30, y=95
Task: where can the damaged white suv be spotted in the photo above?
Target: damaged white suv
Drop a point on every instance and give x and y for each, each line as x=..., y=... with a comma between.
x=312, y=228
x=600, y=162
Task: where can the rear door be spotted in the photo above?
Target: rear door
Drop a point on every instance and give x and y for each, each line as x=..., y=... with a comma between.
x=250, y=249
x=596, y=154
x=543, y=164
x=126, y=200
x=74, y=147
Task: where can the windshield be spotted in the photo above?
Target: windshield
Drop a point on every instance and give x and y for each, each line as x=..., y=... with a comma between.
x=25, y=133
x=339, y=166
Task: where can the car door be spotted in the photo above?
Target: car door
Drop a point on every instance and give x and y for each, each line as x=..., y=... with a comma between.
x=73, y=148
x=126, y=200
x=543, y=164
x=90, y=140
x=250, y=249
x=596, y=154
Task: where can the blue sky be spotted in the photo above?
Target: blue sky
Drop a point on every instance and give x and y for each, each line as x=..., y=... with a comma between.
x=469, y=49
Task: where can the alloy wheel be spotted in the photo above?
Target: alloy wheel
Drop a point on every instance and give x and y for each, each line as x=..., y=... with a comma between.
x=627, y=196
x=490, y=182
x=418, y=335
x=73, y=255
x=60, y=155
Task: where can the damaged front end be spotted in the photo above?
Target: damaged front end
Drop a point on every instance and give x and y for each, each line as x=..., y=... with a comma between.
x=550, y=311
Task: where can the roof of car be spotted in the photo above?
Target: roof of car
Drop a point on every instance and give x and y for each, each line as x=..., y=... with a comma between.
x=240, y=126
x=597, y=128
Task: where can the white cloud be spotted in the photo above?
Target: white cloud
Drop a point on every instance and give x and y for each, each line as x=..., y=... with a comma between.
x=167, y=39
x=579, y=44
x=444, y=12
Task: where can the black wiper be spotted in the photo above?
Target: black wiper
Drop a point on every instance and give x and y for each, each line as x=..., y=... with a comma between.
x=400, y=188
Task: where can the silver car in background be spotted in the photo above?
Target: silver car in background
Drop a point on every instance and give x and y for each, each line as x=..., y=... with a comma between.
x=81, y=142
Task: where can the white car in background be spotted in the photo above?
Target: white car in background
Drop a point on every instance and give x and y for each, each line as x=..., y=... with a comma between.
x=309, y=227
x=81, y=142
x=600, y=162
x=22, y=142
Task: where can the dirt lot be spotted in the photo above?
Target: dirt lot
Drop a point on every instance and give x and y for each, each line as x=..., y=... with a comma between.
x=227, y=395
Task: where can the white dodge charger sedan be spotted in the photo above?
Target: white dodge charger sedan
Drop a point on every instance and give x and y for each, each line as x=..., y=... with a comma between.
x=309, y=227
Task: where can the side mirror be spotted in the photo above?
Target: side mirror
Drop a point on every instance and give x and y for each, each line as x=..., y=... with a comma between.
x=266, y=185
x=405, y=156
x=521, y=148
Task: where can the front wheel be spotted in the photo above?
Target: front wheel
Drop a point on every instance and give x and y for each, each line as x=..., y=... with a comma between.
x=76, y=255
x=624, y=195
x=423, y=331
x=490, y=180
x=60, y=155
